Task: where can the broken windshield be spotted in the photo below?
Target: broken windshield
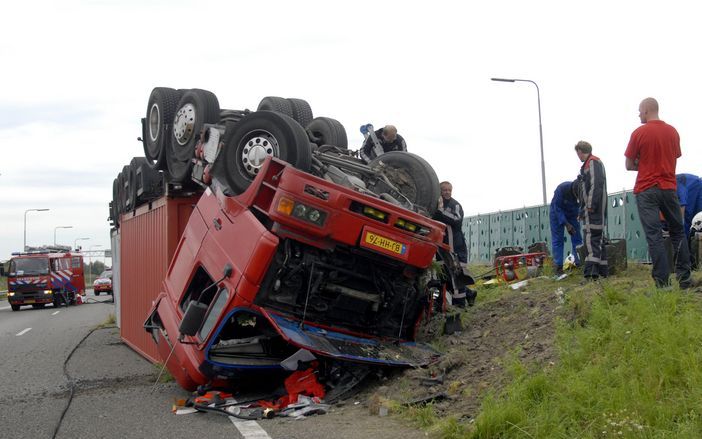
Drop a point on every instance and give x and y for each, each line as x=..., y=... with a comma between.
x=29, y=266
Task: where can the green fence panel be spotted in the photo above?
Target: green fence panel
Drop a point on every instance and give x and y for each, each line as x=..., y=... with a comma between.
x=532, y=226
x=484, y=231
x=523, y=227
x=471, y=231
x=616, y=215
x=545, y=224
x=495, y=233
x=636, y=246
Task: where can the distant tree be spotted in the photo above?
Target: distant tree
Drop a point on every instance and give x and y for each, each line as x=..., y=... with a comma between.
x=95, y=268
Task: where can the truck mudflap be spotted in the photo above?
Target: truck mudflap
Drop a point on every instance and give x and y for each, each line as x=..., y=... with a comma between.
x=340, y=346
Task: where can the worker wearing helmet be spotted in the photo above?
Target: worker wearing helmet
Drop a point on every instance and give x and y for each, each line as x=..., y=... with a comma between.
x=563, y=214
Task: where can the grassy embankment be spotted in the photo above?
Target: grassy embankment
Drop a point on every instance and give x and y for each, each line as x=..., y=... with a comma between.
x=629, y=366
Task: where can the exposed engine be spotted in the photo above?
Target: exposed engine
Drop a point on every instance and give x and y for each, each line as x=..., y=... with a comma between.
x=353, y=288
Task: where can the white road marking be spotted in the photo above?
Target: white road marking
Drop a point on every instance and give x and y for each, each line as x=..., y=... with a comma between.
x=55, y=312
x=249, y=429
x=5, y=307
x=24, y=331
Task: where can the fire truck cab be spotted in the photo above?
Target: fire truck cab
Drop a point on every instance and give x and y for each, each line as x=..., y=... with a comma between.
x=40, y=277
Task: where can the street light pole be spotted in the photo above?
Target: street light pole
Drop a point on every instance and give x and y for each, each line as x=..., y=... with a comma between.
x=541, y=135
x=25, y=225
x=75, y=242
x=90, y=262
x=60, y=227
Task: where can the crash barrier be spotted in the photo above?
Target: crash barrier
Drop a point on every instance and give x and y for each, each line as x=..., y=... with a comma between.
x=485, y=233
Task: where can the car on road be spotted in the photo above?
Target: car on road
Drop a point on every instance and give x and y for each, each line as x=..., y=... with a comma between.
x=103, y=284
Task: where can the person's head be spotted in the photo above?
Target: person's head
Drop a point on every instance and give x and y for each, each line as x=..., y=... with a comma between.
x=446, y=189
x=648, y=110
x=583, y=149
x=389, y=133
x=574, y=192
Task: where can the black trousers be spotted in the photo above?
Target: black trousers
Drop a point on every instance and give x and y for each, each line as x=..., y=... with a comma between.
x=649, y=203
x=595, y=265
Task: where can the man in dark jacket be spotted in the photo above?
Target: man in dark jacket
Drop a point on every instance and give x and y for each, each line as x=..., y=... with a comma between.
x=450, y=212
x=593, y=210
x=388, y=140
x=563, y=214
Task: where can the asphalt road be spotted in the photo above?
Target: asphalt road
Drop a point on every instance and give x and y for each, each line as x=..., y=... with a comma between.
x=114, y=393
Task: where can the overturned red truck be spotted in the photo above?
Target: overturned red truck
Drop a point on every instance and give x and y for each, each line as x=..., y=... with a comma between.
x=294, y=244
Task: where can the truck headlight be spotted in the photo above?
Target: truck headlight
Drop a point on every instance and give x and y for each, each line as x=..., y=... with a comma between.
x=48, y=292
x=10, y=293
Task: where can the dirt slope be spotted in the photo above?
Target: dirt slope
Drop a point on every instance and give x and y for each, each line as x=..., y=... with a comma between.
x=503, y=324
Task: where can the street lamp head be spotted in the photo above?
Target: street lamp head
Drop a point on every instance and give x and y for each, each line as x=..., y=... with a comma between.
x=502, y=79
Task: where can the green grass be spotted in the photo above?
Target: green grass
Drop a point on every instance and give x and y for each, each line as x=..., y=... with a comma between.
x=630, y=365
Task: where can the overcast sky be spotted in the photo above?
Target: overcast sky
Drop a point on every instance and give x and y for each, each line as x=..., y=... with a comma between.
x=76, y=77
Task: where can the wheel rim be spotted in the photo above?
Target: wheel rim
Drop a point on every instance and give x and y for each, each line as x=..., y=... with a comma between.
x=255, y=148
x=184, y=124
x=154, y=122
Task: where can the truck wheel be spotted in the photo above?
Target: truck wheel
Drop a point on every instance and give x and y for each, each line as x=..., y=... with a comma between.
x=258, y=136
x=124, y=196
x=195, y=109
x=327, y=131
x=97, y=293
x=15, y=307
x=277, y=104
x=302, y=112
x=115, y=205
x=160, y=111
x=413, y=176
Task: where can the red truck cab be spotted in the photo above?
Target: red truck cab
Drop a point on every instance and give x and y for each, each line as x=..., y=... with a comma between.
x=38, y=278
x=294, y=262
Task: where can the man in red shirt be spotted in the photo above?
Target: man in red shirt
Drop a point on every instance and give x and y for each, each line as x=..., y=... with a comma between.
x=653, y=151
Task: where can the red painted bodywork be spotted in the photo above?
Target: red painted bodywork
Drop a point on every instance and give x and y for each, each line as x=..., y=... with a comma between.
x=224, y=230
x=65, y=272
x=149, y=237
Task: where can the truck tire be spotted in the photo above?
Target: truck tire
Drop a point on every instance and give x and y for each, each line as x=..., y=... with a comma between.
x=160, y=111
x=277, y=104
x=257, y=136
x=124, y=197
x=114, y=205
x=301, y=111
x=413, y=176
x=195, y=109
x=15, y=307
x=144, y=182
x=327, y=131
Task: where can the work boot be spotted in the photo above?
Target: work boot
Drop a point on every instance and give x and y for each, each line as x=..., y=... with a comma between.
x=471, y=296
x=559, y=270
x=459, y=302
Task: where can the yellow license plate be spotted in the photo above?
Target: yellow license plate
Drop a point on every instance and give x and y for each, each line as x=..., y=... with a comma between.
x=385, y=243
x=29, y=301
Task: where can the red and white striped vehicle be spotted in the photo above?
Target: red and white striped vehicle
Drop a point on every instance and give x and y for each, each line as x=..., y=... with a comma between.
x=38, y=278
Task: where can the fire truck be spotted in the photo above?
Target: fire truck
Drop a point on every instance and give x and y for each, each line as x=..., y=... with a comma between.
x=51, y=275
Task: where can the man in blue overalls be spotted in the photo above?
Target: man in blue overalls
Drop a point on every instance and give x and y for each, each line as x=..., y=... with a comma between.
x=690, y=196
x=564, y=215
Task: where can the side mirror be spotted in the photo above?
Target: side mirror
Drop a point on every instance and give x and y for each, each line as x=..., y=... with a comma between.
x=193, y=318
x=2, y=269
